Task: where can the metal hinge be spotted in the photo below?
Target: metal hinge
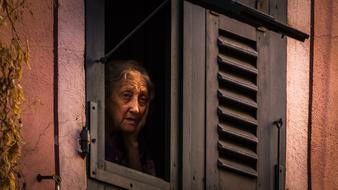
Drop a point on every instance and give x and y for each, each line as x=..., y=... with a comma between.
x=84, y=142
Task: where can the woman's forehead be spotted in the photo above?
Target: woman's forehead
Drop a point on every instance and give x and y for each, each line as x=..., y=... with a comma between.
x=133, y=79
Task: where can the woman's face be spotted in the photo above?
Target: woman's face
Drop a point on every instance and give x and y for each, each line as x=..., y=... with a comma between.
x=129, y=102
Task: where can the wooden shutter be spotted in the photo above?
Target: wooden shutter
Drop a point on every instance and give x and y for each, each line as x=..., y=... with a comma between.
x=245, y=84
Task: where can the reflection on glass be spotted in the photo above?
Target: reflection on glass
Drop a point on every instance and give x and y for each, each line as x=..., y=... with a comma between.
x=129, y=92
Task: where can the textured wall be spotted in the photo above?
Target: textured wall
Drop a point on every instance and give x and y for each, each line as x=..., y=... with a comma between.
x=38, y=114
x=324, y=165
x=38, y=148
x=38, y=152
x=298, y=54
x=71, y=92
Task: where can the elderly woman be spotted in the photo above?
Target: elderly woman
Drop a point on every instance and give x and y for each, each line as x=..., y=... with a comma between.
x=129, y=91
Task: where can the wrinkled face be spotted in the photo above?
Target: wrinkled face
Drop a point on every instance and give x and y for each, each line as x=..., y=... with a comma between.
x=129, y=102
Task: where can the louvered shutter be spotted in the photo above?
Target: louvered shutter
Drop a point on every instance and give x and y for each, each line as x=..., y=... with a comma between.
x=245, y=93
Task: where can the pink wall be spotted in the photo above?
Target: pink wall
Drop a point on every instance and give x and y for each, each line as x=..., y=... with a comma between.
x=324, y=150
x=38, y=148
x=38, y=110
x=71, y=92
x=298, y=54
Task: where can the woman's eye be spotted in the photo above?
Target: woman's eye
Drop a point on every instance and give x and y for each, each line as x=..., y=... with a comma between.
x=143, y=100
x=126, y=95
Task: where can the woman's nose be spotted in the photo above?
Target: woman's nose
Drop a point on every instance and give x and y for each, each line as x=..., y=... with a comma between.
x=134, y=106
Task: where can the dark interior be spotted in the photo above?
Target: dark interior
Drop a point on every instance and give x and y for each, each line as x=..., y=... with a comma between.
x=151, y=46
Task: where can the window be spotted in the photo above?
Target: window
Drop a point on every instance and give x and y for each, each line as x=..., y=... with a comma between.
x=216, y=120
x=149, y=43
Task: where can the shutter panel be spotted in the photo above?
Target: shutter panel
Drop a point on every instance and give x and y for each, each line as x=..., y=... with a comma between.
x=231, y=105
x=241, y=90
x=237, y=104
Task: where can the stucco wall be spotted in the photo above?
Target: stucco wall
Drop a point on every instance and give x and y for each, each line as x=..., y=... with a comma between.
x=38, y=83
x=71, y=95
x=324, y=150
x=38, y=148
x=298, y=54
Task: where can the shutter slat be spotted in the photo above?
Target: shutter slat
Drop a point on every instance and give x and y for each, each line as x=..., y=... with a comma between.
x=237, y=104
x=236, y=133
x=243, y=117
x=244, y=170
x=244, y=66
x=222, y=77
x=242, y=48
x=236, y=150
x=238, y=98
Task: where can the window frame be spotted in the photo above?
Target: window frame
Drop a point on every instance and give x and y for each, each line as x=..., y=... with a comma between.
x=183, y=128
x=193, y=79
x=99, y=169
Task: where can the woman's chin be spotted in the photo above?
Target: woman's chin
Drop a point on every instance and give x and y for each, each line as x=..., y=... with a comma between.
x=129, y=128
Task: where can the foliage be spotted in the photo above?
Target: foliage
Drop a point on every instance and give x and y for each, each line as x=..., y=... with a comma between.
x=13, y=54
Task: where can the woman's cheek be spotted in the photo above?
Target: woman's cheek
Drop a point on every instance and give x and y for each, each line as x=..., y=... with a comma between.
x=144, y=111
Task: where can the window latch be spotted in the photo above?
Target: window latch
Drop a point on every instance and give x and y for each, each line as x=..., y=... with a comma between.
x=84, y=142
x=278, y=167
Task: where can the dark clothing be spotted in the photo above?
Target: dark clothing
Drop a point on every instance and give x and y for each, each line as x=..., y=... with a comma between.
x=116, y=153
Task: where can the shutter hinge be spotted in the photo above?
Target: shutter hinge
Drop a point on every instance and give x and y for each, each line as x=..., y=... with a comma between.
x=84, y=142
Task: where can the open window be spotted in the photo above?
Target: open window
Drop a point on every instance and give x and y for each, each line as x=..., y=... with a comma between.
x=150, y=46
x=140, y=31
x=219, y=68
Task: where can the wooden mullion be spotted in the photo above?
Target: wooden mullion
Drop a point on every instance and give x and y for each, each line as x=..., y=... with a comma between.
x=212, y=171
x=193, y=97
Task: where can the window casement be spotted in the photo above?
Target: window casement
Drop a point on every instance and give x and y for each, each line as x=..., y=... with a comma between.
x=222, y=95
x=154, y=43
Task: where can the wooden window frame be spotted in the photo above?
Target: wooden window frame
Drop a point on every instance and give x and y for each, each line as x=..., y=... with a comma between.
x=187, y=86
x=101, y=173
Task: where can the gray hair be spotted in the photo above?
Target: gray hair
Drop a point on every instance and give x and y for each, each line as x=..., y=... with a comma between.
x=115, y=70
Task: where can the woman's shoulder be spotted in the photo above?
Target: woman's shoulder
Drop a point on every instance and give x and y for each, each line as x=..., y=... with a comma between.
x=148, y=164
x=114, y=154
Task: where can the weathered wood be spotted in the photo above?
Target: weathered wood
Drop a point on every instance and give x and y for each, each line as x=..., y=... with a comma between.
x=264, y=133
x=230, y=24
x=272, y=97
x=278, y=50
x=174, y=96
x=95, y=72
x=240, y=38
x=193, y=97
x=211, y=67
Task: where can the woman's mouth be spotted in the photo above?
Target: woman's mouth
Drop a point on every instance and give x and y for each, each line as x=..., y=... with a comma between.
x=130, y=120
